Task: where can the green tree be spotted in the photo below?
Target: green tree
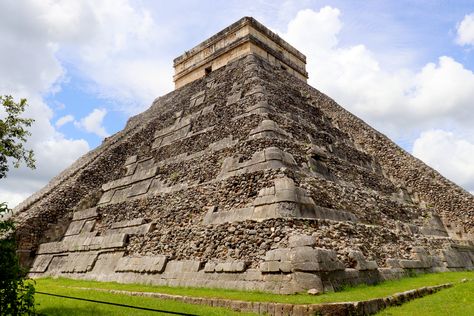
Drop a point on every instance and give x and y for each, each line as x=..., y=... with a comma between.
x=16, y=294
x=13, y=134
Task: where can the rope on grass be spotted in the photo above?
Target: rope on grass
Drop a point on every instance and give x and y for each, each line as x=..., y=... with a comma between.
x=117, y=304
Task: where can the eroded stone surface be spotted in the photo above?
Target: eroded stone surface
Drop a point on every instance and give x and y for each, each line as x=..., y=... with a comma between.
x=247, y=179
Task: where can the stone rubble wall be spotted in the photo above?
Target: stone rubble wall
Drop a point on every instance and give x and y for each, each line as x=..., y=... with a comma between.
x=246, y=179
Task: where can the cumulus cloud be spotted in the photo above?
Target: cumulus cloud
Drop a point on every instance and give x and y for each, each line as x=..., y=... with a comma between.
x=113, y=46
x=465, y=31
x=93, y=123
x=406, y=103
x=116, y=46
x=64, y=120
x=451, y=155
x=413, y=99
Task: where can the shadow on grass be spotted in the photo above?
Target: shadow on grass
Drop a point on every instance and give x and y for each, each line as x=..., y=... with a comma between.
x=74, y=311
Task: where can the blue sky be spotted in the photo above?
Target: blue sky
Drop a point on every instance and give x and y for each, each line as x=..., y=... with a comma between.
x=405, y=67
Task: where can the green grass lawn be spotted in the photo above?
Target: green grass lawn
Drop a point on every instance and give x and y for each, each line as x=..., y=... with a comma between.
x=358, y=293
x=48, y=305
x=455, y=301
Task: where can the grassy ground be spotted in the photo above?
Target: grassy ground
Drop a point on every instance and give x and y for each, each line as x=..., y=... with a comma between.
x=358, y=293
x=49, y=305
x=455, y=301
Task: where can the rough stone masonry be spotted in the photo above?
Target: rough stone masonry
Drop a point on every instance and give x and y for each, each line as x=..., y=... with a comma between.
x=245, y=177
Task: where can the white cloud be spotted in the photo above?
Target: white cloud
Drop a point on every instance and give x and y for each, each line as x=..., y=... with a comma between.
x=64, y=120
x=118, y=51
x=112, y=45
x=440, y=92
x=451, y=155
x=402, y=103
x=465, y=31
x=93, y=122
x=31, y=70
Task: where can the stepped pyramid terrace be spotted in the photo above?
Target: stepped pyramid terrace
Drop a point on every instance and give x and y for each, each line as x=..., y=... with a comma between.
x=245, y=177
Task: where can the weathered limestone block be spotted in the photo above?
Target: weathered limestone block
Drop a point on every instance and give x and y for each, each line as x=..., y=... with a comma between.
x=106, y=263
x=270, y=158
x=106, y=197
x=88, y=226
x=301, y=240
x=140, y=188
x=84, y=243
x=275, y=153
x=145, y=164
x=113, y=241
x=434, y=227
x=56, y=263
x=179, y=124
x=120, y=195
x=302, y=281
x=269, y=128
x=137, y=226
x=210, y=267
x=276, y=267
x=230, y=266
x=234, y=97
x=51, y=247
x=130, y=169
x=41, y=263
x=79, y=262
x=223, y=143
x=234, y=215
x=279, y=254
x=128, y=223
x=146, y=264
x=86, y=214
x=420, y=254
x=75, y=228
x=183, y=266
x=206, y=110
x=130, y=160
x=314, y=259
x=333, y=214
x=284, y=190
x=256, y=89
x=67, y=239
x=133, y=230
x=198, y=98
x=362, y=263
x=261, y=108
x=143, y=174
x=411, y=264
x=178, y=130
x=457, y=258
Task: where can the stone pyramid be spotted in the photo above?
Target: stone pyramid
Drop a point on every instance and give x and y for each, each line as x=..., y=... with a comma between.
x=245, y=177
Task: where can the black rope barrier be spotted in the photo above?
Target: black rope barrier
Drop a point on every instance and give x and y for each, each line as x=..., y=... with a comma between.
x=117, y=304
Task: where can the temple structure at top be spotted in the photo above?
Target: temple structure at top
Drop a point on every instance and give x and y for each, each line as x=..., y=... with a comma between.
x=244, y=37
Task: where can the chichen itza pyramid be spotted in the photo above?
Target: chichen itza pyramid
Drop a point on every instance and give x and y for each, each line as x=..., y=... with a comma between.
x=245, y=177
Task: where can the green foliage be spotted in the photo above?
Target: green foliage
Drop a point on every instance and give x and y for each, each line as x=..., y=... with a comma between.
x=13, y=134
x=16, y=294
